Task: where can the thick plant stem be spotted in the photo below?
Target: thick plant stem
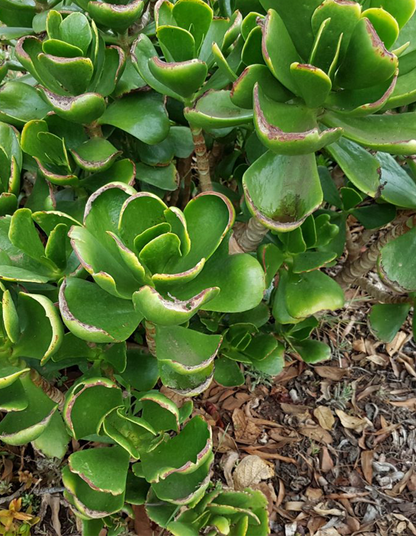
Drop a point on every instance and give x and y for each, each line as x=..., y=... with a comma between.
x=150, y=337
x=249, y=239
x=381, y=295
x=52, y=392
x=202, y=159
x=366, y=262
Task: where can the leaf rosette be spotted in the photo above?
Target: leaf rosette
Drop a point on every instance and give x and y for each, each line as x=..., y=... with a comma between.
x=74, y=68
x=318, y=79
x=160, y=262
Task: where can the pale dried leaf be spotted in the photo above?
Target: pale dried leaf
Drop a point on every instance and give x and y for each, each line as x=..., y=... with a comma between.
x=328, y=532
x=397, y=343
x=352, y=423
x=410, y=403
x=323, y=510
x=330, y=373
x=228, y=465
x=251, y=470
x=325, y=417
x=317, y=433
x=314, y=494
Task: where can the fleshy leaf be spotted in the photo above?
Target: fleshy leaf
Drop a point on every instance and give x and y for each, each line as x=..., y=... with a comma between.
x=81, y=412
x=281, y=191
x=84, y=308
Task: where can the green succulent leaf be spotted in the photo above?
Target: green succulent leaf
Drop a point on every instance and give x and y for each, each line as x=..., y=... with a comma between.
x=20, y=103
x=41, y=328
x=278, y=49
x=216, y=110
x=360, y=167
x=242, y=93
x=83, y=109
x=367, y=61
x=387, y=319
x=281, y=191
x=288, y=128
x=81, y=413
x=392, y=133
x=311, y=292
x=130, y=432
x=312, y=351
x=396, y=260
x=167, y=311
x=184, y=78
x=103, y=469
x=19, y=428
x=399, y=188
x=84, y=308
x=183, y=489
x=13, y=398
x=312, y=83
x=96, y=154
x=143, y=115
x=91, y=503
x=182, y=454
x=53, y=441
x=116, y=16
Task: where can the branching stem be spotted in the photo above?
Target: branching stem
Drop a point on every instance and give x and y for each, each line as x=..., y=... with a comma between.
x=250, y=238
x=367, y=260
x=380, y=295
x=202, y=160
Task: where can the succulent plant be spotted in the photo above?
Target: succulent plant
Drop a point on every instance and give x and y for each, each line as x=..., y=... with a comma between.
x=115, y=267
x=152, y=263
x=318, y=79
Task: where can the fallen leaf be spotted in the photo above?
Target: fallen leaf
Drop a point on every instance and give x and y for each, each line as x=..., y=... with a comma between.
x=245, y=430
x=367, y=457
x=251, y=470
x=235, y=402
x=325, y=417
x=352, y=423
x=222, y=440
x=328, y=532
x=7, y=470
x=269, y=455
x=228, y=466
x=410, y=403
x=330, y=373
x=322, y=510
x=397, y=343
x=282, y=493
x=317, y=433
x=314, y=494
x=302, y=412
x=327, y=463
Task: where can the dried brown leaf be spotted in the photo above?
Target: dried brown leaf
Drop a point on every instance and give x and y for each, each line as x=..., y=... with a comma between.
x=331, y=373
x=367, y=457
x=327, y=463
x=317, y=433
x=245, y=430
x=325, y=417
